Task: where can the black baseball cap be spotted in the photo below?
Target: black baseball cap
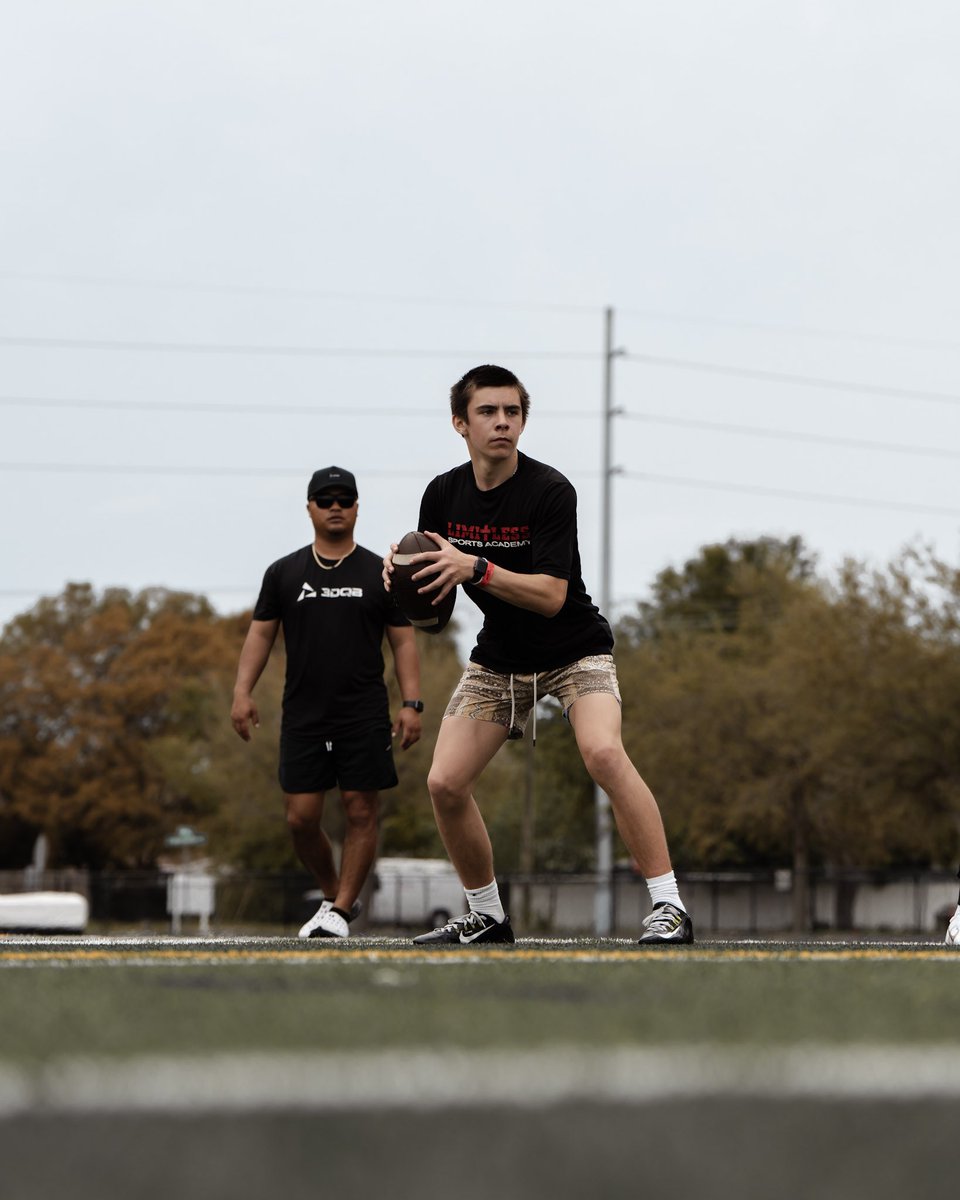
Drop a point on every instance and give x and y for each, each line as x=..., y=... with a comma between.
x=328, y=478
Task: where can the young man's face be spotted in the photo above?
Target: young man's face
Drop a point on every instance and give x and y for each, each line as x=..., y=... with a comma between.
x=494, y=422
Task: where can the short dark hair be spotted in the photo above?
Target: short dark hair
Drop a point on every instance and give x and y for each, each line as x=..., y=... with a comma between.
x=481, y=377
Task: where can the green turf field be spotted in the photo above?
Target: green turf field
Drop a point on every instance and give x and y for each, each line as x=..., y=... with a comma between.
x=325, y=999
x=241, y=1069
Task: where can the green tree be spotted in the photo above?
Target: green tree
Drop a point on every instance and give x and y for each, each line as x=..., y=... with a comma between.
x=711, y=591
x=819, y=730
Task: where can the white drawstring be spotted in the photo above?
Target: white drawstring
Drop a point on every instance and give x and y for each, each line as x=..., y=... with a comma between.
x=513, y=704
x=534, y=708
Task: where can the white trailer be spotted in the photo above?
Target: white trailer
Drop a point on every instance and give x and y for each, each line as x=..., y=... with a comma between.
x=423, y=892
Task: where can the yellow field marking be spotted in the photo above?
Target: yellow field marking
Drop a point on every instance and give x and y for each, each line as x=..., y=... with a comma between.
x=135, y=956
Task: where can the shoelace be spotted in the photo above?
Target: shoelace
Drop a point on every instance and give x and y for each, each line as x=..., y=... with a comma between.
x=470, y=920
x=663, y=920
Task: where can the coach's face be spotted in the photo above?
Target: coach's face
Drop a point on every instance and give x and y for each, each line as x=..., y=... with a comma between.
x=333, y=513
x=493, y=423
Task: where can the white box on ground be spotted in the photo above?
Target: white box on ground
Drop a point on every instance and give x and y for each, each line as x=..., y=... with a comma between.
x=190, y=895
x=44, y=912
x=416, y=891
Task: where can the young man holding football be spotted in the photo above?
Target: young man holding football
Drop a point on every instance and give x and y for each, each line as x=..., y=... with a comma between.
x=336, y=729
x=505, y=526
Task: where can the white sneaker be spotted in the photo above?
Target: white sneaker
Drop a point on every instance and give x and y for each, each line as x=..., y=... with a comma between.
x=330, y=925
x=953, y=930
x=309, y=930
x=315, y=926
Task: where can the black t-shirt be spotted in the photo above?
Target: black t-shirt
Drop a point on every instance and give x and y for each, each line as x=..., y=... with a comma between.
x=333, y=626
x=529, y=525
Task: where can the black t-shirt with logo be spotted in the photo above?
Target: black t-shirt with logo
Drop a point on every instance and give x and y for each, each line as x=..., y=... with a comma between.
x=333, y=625
x=529, y=525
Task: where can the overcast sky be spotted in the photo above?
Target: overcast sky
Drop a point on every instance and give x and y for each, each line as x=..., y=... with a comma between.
x=241, y=241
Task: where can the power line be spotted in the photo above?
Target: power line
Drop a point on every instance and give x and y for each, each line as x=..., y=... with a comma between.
x=244, y=472
x=771, y=327
x=314, y=410
x=190, y=406
x=788, y=435
x=312, y=293
x=784, y=493
x=213, y=348
x=838, y=385
x=318, y=410
x=296, y=351
x=287, y=292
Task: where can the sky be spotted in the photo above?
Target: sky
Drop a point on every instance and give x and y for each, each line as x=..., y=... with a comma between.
x=242, y=241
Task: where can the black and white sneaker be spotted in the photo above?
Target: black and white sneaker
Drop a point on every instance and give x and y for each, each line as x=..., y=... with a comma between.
x=470, y=929
x=666, y=924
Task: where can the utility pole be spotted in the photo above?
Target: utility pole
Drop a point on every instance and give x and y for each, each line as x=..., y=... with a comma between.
x=603, y=896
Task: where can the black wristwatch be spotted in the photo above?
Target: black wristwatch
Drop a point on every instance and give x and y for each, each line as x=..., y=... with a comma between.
x=416, y=705
x=479, y=570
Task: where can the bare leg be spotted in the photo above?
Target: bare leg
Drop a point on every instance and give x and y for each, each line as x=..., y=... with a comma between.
x=362, y=811
x=596, y=724
x=304, y=810
x=464, y=747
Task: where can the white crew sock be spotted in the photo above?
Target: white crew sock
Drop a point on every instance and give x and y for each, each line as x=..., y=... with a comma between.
x=486, y=900
x=664, y=887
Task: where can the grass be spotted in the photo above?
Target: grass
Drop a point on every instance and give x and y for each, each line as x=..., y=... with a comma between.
x=136, y=1003
x=331, y=1002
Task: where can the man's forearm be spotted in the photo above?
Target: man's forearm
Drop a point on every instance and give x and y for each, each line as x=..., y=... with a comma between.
x=543, y=594
x=406, y=665
x=253, y=658
x=448, y=566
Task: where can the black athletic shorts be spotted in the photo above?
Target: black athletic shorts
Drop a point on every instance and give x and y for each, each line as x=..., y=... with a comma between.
x=354, y=762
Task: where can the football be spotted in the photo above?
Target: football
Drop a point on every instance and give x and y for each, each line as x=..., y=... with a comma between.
x=417, y=608
x=953, y=930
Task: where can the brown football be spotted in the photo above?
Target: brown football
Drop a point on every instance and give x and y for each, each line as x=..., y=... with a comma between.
x=417, y=607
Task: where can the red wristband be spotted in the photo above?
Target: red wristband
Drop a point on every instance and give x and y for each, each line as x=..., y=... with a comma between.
x=487, y=575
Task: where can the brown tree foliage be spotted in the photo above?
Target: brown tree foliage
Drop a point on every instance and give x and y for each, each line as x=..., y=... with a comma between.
x=87, y=682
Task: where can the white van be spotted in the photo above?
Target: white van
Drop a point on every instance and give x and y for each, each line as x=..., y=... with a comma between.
x=424, y=892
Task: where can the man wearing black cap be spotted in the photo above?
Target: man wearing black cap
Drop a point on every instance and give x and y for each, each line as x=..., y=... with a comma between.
x=336, y=729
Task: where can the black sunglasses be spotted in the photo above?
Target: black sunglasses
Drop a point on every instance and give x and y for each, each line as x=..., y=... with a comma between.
x=330, y=501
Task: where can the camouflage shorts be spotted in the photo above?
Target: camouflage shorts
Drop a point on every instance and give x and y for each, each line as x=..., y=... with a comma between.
x=485, y=695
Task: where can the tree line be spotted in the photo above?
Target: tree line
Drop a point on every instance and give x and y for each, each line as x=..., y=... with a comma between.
x=783, y=717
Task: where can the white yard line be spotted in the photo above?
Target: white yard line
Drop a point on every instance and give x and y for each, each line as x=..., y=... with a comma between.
x=430, y=1080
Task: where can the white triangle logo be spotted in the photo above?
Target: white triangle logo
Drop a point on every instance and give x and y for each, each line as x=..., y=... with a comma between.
x=307, y=593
